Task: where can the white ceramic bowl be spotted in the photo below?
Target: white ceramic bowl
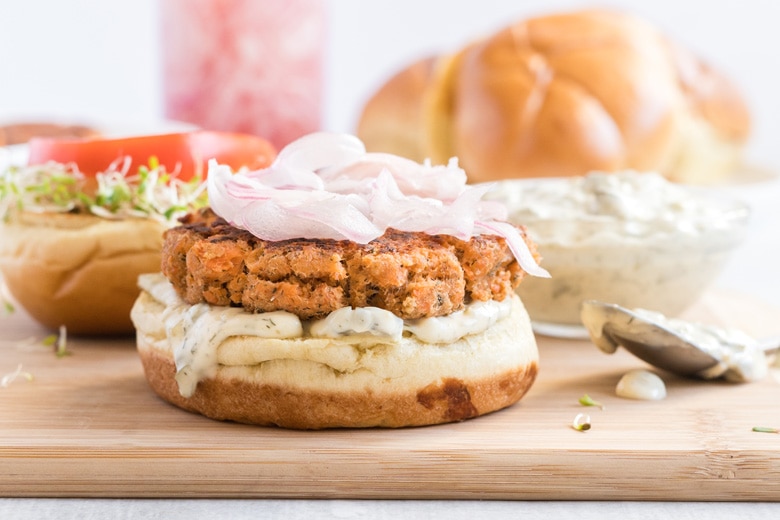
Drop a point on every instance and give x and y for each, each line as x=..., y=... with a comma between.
x=630, y=238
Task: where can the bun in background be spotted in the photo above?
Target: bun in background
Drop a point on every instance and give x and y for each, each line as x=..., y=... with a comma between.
x=563, y=95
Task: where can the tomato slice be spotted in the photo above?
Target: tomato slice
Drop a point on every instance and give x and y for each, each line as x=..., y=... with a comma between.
x=234, y=149
x=187, y=153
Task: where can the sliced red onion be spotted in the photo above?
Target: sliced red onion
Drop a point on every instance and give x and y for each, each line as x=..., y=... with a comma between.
x=326, y=186
x=325, y=219
x=411, y=177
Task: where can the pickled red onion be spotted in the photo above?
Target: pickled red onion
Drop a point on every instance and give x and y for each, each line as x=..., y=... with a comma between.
x=326, y=186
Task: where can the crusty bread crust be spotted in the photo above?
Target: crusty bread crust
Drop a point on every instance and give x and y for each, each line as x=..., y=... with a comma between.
x=234, y=399
x=316, y=383
x=79, y=271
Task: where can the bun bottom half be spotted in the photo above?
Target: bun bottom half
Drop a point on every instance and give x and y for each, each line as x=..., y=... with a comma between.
x=317, y=383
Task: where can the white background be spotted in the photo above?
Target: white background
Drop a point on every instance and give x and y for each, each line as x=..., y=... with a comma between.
x=98, y=61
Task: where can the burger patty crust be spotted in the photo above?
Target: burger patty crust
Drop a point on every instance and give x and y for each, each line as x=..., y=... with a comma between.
x=412, y=275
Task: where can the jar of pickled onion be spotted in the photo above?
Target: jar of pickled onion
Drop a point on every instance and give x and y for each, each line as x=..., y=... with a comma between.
x=251, y=66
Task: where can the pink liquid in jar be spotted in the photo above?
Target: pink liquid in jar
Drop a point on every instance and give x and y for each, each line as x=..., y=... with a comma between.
x=251, y=66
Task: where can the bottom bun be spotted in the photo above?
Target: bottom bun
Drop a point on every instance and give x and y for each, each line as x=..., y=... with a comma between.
x=314, y=383
x=80, y=271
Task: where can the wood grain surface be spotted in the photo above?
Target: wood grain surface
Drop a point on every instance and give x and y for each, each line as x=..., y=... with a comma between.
x=87, y=425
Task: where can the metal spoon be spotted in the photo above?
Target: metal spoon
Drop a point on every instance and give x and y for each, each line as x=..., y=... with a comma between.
x=611, y=325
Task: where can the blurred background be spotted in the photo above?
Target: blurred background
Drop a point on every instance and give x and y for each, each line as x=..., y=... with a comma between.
x=93, y=61
x=98, y=60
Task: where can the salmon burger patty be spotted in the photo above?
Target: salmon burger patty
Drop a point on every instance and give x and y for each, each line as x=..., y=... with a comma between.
x=411, y=274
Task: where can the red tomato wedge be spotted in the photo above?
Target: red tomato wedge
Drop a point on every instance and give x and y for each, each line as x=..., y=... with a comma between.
x=188, y=152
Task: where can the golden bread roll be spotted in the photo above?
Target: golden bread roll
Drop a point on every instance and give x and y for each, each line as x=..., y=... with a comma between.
x=562, y=95
x=79, y=271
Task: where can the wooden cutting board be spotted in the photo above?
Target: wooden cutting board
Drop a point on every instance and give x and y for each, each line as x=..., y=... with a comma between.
x=88, y=426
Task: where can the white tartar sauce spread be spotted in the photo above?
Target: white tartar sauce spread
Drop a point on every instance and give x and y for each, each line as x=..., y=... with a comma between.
x=614, y=206
x=629, y=238
x=642, y=385
x=740, y=356
x=195, y=331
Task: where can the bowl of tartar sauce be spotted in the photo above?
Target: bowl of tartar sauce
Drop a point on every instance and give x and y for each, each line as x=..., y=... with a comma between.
x=630, y=238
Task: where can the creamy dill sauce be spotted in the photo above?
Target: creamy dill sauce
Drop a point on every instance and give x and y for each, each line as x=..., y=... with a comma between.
x=195, y=331
x=203, y=328
x=370, y=321
x=740, y=357
x=630, y=238
x=613, y=206
x=641, y=385
x=475, y=318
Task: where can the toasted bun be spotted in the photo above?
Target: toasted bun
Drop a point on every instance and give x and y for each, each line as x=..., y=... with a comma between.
x=313, y=383
x=79, y=271
x=563, y=95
